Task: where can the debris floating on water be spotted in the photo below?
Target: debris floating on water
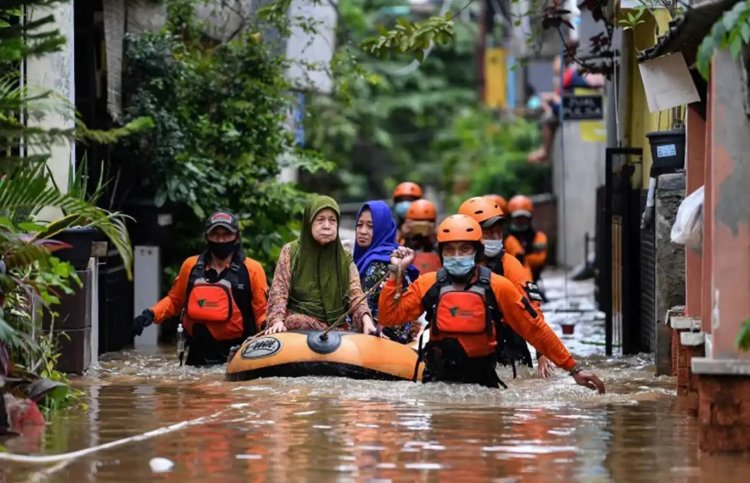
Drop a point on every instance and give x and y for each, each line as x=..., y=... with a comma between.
x=161, y=465
x=249, y=457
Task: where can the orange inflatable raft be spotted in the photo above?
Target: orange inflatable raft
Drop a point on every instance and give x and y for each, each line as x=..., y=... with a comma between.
x=308, y=353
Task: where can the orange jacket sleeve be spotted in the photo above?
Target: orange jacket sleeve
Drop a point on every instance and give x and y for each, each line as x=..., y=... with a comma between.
x=512, y=246
x=528, y=323
x=537, y=256
x=520, y=276
x=171, y=305
x=259, y=288
x=409, y=306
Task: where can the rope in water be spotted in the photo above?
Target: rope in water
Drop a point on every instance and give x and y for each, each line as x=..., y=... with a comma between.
x=354, y=306
x=49, y=459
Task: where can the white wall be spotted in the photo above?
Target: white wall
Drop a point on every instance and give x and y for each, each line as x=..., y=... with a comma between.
x=576, y=178
x=56, y=72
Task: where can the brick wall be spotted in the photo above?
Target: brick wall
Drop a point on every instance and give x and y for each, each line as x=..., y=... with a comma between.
x=724, y=412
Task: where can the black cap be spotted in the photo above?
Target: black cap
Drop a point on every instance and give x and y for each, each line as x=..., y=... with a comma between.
x=222, y=218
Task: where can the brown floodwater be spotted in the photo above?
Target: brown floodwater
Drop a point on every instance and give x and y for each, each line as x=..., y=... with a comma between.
x=330, y=429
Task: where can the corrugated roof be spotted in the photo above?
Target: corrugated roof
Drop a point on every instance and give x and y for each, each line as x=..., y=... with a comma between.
x=687, y=31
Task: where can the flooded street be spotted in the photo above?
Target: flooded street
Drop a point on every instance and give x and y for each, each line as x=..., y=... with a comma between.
x=326, y=429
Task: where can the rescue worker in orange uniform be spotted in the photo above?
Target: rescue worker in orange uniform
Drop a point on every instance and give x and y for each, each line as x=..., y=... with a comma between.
x=523, y=241
x=421, y=218
x=403, y=196
x=465, y=304
x=221, y=294
x=500, y=200
x=490, y=217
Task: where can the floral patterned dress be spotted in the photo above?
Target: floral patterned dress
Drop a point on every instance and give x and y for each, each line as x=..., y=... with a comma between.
x=375, y=274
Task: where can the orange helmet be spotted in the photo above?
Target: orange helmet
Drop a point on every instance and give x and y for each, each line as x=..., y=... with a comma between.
x=407, y=190
x=501, y=202
x=521, y=205
x=482, y=209
x=422, y=210
x=459, y=228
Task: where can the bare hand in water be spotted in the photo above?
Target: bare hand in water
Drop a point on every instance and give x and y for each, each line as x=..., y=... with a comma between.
x=275, y=328
x=590, y=380
x=545, y=368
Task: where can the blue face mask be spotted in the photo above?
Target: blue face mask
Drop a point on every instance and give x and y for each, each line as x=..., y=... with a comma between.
x=492, y=248
x=401, y=208
x=459, y=266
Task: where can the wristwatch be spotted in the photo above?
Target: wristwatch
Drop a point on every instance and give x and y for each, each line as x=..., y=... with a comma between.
x=392, y=268
x=575, y=370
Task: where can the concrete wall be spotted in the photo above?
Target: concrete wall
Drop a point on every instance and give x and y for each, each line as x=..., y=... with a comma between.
x=55, y=72
x=695, y=151
x=670, y=264
x=730, y=208
x=577, y=175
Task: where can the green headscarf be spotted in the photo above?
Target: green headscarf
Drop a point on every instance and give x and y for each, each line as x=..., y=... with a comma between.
x=320, y=273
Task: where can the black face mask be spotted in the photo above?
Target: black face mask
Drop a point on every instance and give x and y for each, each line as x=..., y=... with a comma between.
x=221, y=250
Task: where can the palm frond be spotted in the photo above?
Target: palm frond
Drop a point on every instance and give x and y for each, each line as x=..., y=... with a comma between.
x=26, y=191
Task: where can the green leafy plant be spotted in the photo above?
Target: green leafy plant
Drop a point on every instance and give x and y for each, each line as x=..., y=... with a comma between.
x=379, y=124
x=219, y=139
x=32, y=280
x=731, y=31
x=482, y=153
x=743, y=337
x=412, y=37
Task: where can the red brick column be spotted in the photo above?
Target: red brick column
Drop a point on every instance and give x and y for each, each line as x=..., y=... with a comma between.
x=724, y=413
x=686, y=344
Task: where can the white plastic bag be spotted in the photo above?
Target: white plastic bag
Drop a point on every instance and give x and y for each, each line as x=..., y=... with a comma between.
x=688, y=225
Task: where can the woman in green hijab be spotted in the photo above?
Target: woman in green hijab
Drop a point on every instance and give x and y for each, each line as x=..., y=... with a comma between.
x=316, y=281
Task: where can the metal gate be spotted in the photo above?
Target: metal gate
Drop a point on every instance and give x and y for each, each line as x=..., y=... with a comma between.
x=619, y=266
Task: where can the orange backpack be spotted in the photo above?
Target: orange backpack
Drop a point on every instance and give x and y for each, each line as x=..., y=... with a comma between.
x=469, y=315
x=215, y=305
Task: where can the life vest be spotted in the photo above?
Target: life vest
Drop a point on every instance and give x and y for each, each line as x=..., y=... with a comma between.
x=427, y=262
x=511, y=346
x=468, y=315
x=223, y=306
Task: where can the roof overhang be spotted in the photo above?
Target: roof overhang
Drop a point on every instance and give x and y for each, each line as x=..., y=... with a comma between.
x=687, y=31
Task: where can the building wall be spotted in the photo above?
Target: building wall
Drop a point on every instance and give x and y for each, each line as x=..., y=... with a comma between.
x=576, y=177
x=55, y=72
x=730, y=208
x=695, y=150
x=639, y=120
x=670, y=264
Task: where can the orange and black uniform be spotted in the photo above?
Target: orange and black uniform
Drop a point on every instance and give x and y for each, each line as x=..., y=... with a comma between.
x=530, y=248
x=515, y=348
x=218, y=310
x=426, y=257
x=468, y=354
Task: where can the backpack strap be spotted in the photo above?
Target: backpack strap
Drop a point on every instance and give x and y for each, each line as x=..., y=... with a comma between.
x=492, y=314
x=430, y=300
x=198, y=271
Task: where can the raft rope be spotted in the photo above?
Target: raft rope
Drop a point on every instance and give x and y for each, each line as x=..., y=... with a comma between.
x=364, y=296
x=57, y=458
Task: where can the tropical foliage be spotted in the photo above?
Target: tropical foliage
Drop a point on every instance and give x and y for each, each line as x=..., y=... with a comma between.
x=384, y=115
x=731, y=31
x=219, y=140
x=31, y=278
x=482, y=153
